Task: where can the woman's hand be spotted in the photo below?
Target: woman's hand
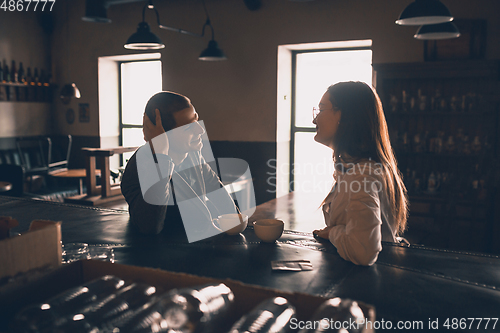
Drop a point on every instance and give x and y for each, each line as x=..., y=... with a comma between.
x=151, y=130
x=323, y=233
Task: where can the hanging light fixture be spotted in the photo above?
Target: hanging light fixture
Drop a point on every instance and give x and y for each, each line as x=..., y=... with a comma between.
x=96, y=11
x=144, y=39
x=69, y=90
x=212, y=52
x=438, y=31
x=421, y=12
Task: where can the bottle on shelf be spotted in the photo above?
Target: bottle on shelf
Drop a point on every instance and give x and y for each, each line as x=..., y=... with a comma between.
x=416, y=182
x=48, y=86
x=450, y=145
x=394, y=103
x=14, y=76
x=13, y=73
x=471, y=102
x=445, y=178
x=405, y=143
x=476, y=145
x=439, y=142
x=28, y=78
x=413, y=104
x=440, y=104
x=42, y=87
x=6, y=72
x=30, y=90
x=463, y=104
x=37, y=84
x=405, y=102
x=466, y=146
x=6, y=79
x=454, y=104
x=432, y=183
x=418, y=145
x=36, y=78
x=21, y=91
x=20, y=74
x=422, y=101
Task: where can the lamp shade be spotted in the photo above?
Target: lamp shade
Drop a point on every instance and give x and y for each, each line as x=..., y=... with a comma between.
x=422, y=12
x=144, y=39
x=95, y=11
x=438, y=31
x=212, y=52
x=69, y=91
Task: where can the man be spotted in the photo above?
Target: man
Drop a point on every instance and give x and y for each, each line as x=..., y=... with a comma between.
x=170, y=168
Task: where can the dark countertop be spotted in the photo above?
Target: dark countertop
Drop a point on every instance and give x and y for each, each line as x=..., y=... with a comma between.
x=414, y=283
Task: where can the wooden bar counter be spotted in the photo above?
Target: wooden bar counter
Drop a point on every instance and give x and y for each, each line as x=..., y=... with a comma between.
x=406, y=284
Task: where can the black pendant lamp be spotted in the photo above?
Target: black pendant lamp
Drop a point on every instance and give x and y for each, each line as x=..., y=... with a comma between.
x=421, y=12
x=144, y=39
x=212, y=52
x=438, y=31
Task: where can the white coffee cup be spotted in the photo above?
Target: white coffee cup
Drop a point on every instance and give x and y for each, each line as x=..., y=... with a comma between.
x=268, y=230
x=231, y=224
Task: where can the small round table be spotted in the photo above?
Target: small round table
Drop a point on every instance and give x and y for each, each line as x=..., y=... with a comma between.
x=5, y=186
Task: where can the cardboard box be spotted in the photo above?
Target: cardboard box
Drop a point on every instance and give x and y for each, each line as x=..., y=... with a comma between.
x=38, y=248
x=14, y=297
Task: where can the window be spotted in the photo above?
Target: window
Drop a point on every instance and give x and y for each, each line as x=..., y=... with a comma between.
x=139, y=80
x=311, y=166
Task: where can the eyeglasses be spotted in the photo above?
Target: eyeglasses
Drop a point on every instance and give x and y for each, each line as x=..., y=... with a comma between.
x=317, y=111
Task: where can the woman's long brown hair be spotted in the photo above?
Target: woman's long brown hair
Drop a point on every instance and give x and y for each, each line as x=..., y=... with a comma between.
x=363, y=134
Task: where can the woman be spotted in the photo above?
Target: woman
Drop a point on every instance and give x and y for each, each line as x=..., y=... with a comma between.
x=368, y=203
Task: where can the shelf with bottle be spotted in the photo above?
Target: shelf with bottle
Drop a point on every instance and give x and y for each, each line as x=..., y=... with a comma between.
x=464, y=188
x=454, y=103
x=438, y=144
x=20, y=86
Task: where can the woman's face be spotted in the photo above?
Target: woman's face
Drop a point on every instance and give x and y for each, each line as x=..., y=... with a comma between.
x=326, y=122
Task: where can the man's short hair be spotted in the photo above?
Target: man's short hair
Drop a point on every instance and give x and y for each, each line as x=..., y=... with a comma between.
x=167, y=102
